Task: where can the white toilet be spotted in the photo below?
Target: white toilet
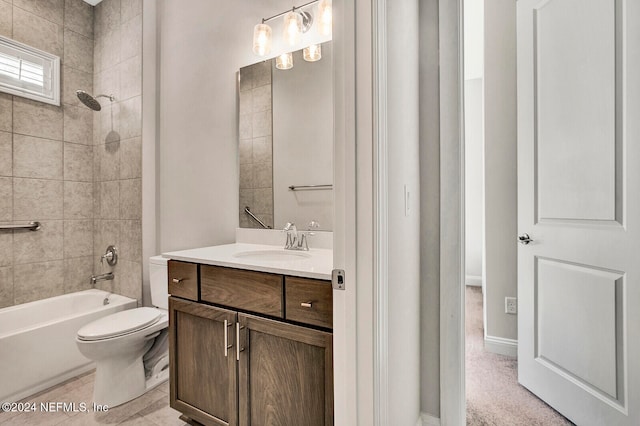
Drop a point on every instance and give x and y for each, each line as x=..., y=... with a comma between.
x=130, y=347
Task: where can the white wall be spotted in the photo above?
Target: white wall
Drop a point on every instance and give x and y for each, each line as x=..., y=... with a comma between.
x=303, y=141
x=500, y=134
x=473, y=176
x=403, y=227
x=201, y=47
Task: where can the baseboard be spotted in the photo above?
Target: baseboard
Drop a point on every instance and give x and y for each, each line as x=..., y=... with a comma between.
x=428, y=420
x=502, y=346
x=473, y=280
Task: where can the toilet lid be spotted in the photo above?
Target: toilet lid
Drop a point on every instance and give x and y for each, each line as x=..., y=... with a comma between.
x=119, y=324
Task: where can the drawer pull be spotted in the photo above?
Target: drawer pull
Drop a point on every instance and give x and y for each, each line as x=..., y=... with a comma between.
x=307, y=304
x=177, y=280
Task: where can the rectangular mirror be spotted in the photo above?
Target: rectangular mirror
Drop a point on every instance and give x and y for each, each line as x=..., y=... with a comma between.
x=286, y=143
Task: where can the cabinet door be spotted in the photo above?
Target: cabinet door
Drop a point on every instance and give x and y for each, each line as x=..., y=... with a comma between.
x=285, y=374
x=203, y=367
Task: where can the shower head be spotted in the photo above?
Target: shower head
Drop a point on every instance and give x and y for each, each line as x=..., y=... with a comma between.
x=90, y=101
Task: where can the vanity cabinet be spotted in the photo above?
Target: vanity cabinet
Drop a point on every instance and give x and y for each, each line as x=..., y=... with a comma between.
x=253, y=349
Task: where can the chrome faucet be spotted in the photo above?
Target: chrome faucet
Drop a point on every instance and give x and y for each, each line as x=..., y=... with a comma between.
x=106, y=299
x=295, y=242
x=103, y=277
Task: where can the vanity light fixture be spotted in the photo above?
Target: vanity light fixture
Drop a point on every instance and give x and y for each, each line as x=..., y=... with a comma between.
x=312, y=53
x=284, y=61
x=296, y=23
x=325, y=17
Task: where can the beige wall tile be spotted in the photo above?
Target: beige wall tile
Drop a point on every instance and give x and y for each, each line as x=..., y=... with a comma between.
x=108, y=161
x=51, y=10
x=245, y=123
x=110, y=49
x=34, y=118
x=105, y=233
x=6, y=158
x=130, y=118
x=109, y=202
x=246, y=78
x=131, y=77
x=6, y=287
x=261, y=74
x=262, y=175
x=108, y=83
x=78, y=162
x=131, y=199
x=246, y=200
x=245, y=151
x=77, y=273
x=36, y=157
x=130, y=274
x=262, y=123
x=37, y=32
x=262, y=98
x=78, y=124
x=42, y=245
x=78, y=51
x=107, y=17
x=72, y=80
x=78, y=200
x=78, y=17
x=263, y=200
x=262, y=151
x=131, y=158
x=246, y=102
x=38, y=281
x=6, y=248
x=6, y=199
x=246, y=176
x=6, y=112
x=78, y=238
x=6, y=19
x=130, y=8
x=130, y=240
x=131, y=41
x=37, y=199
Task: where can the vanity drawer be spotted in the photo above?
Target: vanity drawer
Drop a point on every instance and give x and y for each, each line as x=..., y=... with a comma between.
x=309, y=301
x=183, y=279
x=248, y=290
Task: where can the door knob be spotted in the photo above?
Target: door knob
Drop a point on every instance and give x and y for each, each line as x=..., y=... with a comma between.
x=524, y=239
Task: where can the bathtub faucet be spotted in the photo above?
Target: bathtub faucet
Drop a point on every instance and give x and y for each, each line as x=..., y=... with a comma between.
x=106, y=299
x=103, y=277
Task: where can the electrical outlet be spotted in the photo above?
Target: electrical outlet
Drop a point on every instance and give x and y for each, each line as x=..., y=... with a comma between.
x=510, y=305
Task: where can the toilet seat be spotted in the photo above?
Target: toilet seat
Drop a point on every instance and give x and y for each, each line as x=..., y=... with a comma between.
x=119, y=324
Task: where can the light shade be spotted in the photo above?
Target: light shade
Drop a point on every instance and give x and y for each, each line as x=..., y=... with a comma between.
x=325, y=17
x=284, y=61
x=292, y=28
x=261, y=39
x=312, y=53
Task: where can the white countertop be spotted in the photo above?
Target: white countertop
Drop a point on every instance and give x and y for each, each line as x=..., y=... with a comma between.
x=315, y=263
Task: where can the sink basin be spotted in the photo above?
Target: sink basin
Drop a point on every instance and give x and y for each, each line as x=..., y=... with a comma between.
x=272, y=255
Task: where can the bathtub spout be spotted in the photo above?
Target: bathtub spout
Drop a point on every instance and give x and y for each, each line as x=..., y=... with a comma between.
x=106, y=299
x=104, y=277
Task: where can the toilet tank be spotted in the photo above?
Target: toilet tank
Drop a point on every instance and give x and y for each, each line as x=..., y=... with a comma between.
x=158, y=281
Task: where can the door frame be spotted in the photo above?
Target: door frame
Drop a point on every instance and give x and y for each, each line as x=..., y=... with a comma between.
x=452, y=209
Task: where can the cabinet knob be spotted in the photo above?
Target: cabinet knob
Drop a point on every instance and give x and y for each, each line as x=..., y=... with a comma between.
x=306, y=304
x=177, y=280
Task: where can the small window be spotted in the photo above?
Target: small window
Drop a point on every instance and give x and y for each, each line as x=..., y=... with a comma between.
x=29, y=72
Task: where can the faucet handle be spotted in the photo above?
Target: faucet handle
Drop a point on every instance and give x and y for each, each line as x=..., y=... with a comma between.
x=313, y=225
x=289, y=226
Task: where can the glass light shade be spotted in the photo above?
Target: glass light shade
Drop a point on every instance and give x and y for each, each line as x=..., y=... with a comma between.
x=292, y=28
x=261, y=39
x=284, y=61
x=325, y=17
x=312, y=53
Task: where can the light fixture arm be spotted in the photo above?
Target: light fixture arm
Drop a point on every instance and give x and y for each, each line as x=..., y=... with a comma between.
x=287, y=11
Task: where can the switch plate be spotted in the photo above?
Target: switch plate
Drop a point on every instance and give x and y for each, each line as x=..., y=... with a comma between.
x=510, y=305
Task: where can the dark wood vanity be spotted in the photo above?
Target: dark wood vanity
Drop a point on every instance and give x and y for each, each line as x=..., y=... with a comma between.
x=249, y=348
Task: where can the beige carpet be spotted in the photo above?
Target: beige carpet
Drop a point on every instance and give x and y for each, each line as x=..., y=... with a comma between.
x=494, y=396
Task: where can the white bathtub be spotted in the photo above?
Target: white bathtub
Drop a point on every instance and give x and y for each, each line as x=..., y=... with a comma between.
x=37, y=340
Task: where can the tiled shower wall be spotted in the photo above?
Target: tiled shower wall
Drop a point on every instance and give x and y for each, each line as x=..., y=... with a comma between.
x=117, y=137
x=52, y=166
x=256, y=153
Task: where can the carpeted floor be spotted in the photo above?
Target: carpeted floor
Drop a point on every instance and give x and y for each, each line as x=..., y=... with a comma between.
x=494, y=397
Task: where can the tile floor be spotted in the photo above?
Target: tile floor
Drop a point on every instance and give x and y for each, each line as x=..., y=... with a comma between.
x=150, y=409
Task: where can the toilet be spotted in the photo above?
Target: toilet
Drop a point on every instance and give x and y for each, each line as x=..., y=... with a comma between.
x=130, y=348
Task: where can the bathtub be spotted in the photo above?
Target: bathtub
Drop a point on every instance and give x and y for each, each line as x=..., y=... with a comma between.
x=37, y=340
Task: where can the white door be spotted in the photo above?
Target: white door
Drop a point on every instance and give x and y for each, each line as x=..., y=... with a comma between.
x=579, y=200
